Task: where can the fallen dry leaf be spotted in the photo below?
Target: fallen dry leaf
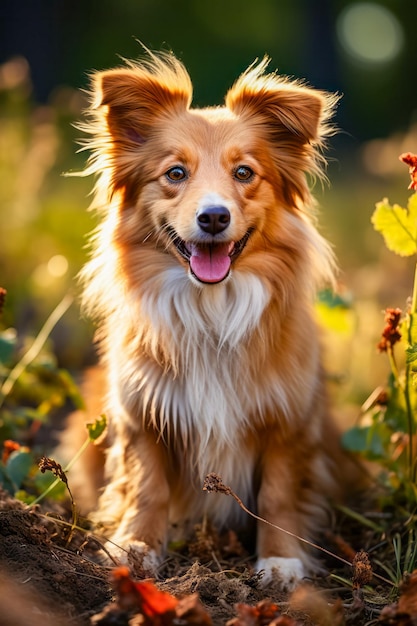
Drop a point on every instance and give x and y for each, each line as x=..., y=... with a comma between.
x=407, y=602
x=191, y=612
x=141, y=596
x=265, y=613
x=403, y=612
x=313, y=604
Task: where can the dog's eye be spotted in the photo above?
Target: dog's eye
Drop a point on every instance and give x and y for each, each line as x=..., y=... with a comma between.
x=243, y=173
x=176, y=174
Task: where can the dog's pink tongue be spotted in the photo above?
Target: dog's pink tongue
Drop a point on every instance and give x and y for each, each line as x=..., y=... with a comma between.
x=210, y=264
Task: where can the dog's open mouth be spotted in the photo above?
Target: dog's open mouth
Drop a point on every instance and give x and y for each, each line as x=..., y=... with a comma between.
x=209, y=262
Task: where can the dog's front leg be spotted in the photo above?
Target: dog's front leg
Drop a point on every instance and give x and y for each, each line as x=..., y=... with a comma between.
x=136, y=498
x=281, y=501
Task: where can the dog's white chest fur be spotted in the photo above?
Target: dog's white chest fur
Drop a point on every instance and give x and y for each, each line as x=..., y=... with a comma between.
x=204, y=398
x=204, y=332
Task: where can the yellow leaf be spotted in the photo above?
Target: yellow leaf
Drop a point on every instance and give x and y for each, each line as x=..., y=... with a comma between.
x=398, y=226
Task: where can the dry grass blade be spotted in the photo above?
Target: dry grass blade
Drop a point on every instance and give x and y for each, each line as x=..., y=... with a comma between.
x=214, y=483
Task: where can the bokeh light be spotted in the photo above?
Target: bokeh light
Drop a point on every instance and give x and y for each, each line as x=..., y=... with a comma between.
x=57, y=265
x=370, y=33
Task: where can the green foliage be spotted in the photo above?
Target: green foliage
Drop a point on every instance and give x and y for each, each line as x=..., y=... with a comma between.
x=33, y=389
x=335, y=312
x=97, y=428
x=382, y=431
x=386, y=430
x=43, y=213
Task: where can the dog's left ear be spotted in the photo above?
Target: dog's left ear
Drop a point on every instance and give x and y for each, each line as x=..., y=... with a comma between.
x=295, y=119
x=282, y=104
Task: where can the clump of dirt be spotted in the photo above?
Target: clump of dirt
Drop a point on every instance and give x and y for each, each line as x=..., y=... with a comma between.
x=218, y=591
x=33, y=555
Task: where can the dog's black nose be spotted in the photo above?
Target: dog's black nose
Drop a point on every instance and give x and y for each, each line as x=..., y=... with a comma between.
x=213, y=219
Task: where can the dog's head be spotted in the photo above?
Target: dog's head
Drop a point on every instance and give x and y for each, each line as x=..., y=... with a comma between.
x=209, y=187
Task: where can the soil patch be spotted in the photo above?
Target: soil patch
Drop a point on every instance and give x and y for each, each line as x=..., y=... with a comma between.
x=47, y=580
x=33, y=555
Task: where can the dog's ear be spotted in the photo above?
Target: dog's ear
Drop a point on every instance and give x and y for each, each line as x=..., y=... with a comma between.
x=295, y=118
x=281, y=102
x=135, y=96
x=126, y=104
x=296, y=109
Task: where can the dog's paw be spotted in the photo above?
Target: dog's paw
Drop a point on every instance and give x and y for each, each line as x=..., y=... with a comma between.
x=142, y=559
x=287, y=572
x=138, y=555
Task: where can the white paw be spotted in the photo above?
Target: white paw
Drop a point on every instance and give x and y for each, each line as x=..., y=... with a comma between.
x=141, y=556
x=288, y=572
x=137, y=554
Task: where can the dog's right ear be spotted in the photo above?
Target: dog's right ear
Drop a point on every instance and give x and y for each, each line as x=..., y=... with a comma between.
x=135, y=96
x=127, y=103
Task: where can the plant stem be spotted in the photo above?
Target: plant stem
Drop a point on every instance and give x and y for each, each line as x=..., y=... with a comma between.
x=213, y=482
x=394, y=368
x=36, y=347
x=414, y=300
x=66, y=469
x=408, y=374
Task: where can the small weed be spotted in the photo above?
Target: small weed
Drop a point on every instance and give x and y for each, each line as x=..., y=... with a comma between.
x=32, y=390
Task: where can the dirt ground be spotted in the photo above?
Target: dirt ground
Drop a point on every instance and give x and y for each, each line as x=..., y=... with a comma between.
x=49, y=579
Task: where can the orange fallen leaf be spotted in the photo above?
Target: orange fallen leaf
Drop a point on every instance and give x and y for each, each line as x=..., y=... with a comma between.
x=403, y=612
x=262, y=614
x=142, y=595
x=154, y=601
x=407, y=602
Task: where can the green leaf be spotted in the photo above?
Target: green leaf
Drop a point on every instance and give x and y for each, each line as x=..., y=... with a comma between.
x=356, y=439
x=333, y=299
x=411, y=354
x=398, y=226
x=371, y=441
x=71, y=389
x=395, y=416
x=43, y=481
x=8, y=342
x=5, y=480
x=96, y=429
x=18, y=467
x=24, y=496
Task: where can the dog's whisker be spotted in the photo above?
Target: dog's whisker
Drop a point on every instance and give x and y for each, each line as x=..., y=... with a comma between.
x=149, y=235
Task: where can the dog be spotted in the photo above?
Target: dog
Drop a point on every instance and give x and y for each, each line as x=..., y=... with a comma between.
x=202, y=280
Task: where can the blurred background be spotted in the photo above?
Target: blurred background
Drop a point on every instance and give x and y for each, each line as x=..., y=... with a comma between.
x=366, y=51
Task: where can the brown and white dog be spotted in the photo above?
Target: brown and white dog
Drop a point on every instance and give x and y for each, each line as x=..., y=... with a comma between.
x=202, y=279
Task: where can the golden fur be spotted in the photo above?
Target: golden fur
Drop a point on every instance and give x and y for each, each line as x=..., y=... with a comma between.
x=210, y=368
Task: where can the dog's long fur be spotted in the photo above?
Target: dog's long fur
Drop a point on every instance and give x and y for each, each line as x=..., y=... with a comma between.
x=211, y=370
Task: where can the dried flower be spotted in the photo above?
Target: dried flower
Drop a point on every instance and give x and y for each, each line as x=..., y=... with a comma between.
x=47, y=464
x=410, y=159
x=213, y=482
x=3, y=293
x=362, y=570
x=391, y=333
